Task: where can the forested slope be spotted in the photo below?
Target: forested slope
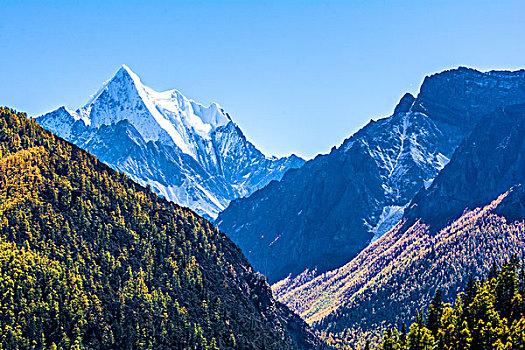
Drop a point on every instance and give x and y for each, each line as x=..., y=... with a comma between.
x=90, y=259
x=489, y=314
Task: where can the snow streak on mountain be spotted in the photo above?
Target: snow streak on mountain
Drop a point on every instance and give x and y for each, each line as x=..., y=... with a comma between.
x=191, y=154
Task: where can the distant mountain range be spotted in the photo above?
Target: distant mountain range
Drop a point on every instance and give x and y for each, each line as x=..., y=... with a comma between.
x=320, y=216
x=193, y=155
x=471, y=217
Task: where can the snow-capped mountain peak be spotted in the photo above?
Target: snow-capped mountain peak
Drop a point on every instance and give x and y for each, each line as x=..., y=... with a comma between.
x=166, y=116
x=190, y=153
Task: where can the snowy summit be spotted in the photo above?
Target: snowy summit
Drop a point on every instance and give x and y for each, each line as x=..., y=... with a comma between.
x=189, y=153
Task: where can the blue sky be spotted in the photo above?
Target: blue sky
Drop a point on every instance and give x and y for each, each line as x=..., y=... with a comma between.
x=296, y=76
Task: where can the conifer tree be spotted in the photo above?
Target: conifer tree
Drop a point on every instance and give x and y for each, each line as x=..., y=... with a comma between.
x=435, y=311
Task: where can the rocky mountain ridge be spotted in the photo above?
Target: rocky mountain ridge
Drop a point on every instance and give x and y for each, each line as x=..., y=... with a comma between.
x=469, y=218
x=320, y=216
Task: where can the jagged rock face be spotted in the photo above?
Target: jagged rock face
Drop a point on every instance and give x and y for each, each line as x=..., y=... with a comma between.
x=476, y=210
x=486, y=164
x=512, y=207
x=191, y=154
x=323, y=214
x=462, y=96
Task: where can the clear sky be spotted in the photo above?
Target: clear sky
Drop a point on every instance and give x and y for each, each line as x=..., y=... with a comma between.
x=296, y=76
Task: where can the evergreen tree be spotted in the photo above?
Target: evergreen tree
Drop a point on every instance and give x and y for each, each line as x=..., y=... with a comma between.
x=506, y=289
x=435, y=311
x=470, y=290
x=403, y=340
x=493, y=273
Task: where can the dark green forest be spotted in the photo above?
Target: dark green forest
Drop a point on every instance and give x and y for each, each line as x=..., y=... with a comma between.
x=489, y=314
x=90, y=259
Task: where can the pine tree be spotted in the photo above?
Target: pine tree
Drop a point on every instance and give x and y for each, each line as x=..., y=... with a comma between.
x=493, y=273
x=420, y=337
x=435, y=312
x=506, y=289
x=470, y=290
x=403, y=341
x=464, y=338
